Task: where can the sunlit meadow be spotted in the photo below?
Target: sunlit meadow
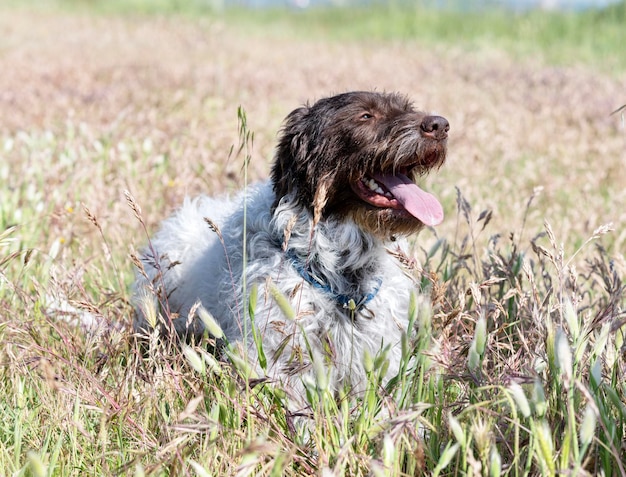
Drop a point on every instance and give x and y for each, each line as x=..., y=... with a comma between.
x=109, y=117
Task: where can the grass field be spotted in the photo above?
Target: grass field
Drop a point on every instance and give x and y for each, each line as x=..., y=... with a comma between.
x=518, y=366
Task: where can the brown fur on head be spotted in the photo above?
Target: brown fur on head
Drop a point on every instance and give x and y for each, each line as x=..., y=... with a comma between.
x=327, y=150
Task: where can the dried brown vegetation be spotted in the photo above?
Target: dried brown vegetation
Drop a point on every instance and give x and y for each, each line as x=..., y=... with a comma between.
x=174, y=85
x=93, y=106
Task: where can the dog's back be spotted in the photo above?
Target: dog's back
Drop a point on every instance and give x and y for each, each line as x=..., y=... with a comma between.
x=185, y=263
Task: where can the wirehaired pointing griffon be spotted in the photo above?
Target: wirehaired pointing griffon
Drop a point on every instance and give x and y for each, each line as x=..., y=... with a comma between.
x=342, y=193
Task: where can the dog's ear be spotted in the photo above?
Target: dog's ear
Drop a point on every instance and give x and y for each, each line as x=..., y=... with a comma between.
x=291, y=153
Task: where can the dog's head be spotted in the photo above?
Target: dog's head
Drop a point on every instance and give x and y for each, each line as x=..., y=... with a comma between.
x=357, y=155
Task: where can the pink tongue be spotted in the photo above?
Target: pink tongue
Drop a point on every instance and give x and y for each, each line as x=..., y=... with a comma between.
x=419, y=204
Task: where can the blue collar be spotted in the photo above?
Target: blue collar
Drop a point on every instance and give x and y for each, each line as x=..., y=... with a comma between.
x=352, y=303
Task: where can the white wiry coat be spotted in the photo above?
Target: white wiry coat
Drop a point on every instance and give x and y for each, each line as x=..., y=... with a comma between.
x=194, y=265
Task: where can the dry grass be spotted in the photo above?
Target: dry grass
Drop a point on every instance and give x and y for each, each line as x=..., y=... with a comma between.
x=95, y=106
x=173, y=86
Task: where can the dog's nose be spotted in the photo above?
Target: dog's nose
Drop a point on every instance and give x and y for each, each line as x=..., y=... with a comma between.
x=435, y=126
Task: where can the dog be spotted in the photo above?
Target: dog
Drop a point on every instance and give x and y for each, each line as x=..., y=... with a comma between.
x=323, y=235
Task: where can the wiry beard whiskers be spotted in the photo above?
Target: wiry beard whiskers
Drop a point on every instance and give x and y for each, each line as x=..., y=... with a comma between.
x=390, y=153
x=383, y=224
x=407, y=152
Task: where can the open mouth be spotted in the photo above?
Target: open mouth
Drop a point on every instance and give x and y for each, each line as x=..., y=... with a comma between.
x=397, y=191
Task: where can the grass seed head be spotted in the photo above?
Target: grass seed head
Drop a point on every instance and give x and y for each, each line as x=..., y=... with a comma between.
x=520, y=399
x=563, y=353
x=147, y=304
x=130, y=200
x=588, y=425
x=210, y=323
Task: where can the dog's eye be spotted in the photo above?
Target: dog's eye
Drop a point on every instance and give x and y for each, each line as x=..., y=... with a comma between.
x=366, y=116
